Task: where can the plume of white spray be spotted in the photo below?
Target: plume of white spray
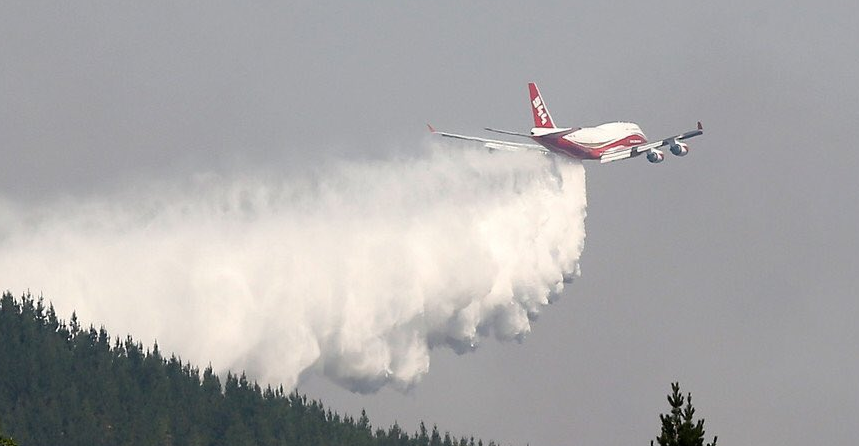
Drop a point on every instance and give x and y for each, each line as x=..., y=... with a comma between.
x=356, y=271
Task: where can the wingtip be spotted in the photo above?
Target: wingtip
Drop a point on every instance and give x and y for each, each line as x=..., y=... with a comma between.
x=431, y=129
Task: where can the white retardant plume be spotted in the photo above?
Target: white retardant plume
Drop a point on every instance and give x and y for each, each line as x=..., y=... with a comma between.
x=356, y=270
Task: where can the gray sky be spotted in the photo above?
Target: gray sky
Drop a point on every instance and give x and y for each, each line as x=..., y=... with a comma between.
x=730, y=270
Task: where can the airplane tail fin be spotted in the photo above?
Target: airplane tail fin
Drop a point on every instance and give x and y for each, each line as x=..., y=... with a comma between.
x=542, y=118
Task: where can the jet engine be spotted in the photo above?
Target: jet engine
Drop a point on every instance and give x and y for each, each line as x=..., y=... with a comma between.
x=655, y=156
x=679, y=149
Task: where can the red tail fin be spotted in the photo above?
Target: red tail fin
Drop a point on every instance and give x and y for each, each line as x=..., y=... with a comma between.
x=542, y=118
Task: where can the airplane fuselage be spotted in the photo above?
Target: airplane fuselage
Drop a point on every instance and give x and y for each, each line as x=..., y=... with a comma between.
x=589, y=142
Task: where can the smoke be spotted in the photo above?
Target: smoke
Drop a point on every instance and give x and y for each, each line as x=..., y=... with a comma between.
x=356, y=270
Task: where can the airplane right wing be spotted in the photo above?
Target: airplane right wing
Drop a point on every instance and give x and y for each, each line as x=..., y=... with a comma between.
x=620, y=153
x=493, y=144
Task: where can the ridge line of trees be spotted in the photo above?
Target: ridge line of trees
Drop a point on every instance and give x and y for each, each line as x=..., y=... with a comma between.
x=61, y=383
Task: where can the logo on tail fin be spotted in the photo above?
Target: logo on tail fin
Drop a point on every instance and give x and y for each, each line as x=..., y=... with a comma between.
x=542, y=117
x=540, y=110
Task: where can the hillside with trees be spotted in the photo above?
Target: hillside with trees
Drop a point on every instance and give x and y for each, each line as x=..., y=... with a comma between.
x=63, y=384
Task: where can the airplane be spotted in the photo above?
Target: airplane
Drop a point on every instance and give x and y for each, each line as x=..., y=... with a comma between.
x=608, y=142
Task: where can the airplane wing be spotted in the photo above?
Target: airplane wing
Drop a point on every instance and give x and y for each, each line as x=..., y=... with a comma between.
x=493, y=144
x=626, y=152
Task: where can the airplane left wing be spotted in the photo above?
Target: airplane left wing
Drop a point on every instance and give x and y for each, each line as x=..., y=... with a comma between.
x=493, y=144
x=620, y=153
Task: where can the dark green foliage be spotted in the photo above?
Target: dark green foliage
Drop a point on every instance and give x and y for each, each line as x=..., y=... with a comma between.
x=64, y=384
x=678, y=427
x=6, y=441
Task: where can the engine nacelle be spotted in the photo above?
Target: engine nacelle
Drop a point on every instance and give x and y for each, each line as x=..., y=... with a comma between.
x=679, y=149
x=655, y=156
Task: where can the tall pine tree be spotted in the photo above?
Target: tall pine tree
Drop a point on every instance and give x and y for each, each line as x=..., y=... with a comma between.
x=678, y=428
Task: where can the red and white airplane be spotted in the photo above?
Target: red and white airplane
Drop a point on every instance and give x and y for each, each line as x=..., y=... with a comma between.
x=607, y=142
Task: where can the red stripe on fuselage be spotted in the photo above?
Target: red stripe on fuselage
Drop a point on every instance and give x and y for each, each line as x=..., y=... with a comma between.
x=558, y=144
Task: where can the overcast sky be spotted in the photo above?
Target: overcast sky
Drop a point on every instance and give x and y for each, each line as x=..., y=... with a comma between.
x=731, y=270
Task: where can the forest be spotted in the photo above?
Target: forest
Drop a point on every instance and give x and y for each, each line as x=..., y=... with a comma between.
x=64, y=384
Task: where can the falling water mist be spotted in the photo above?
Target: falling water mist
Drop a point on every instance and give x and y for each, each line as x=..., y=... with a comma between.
x=355, y=271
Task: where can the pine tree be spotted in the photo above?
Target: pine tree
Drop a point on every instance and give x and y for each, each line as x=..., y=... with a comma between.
x=435, y=437
x=678, y=428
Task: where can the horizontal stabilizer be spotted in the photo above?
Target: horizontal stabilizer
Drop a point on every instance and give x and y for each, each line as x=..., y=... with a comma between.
x=508, y=132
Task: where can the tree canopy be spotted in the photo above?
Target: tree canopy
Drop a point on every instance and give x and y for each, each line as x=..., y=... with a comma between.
x=65, y=384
